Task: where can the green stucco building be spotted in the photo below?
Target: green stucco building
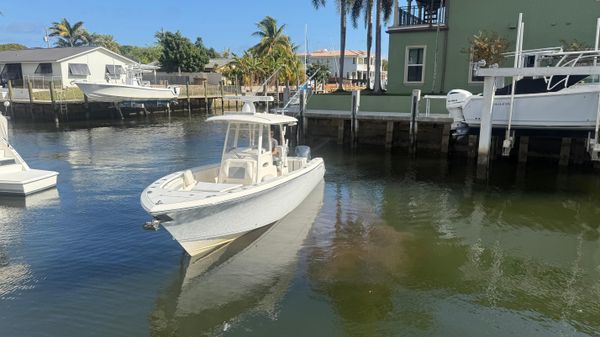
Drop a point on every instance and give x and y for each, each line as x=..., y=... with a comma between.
x=428, y=38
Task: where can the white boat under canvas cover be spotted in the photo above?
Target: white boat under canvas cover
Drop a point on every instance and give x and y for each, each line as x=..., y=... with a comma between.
x=255, y=184
x=16, y=177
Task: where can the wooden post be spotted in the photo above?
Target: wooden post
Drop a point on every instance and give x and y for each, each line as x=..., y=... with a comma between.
x=355, y=108
x=485, y=130
x=206, y=96
x=53, y=100
x=389, y=135
x=187, y=96
x=86, y=104
x=445, y=139
x=30, y=90
x=10, y=98
x=303, y=135
x=340, y=135
x=565, y=151
x=472, y=151
x=523, y=148
x=413, y=127
x=222, y=97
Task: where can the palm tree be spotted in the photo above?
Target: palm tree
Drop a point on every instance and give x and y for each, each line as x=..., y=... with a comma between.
x=270, y=35
x=68, y=35
x=383, y=7
x=367, y=6
x=343, y=7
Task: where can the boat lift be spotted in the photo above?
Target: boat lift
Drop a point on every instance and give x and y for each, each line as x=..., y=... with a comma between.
x=567, y=60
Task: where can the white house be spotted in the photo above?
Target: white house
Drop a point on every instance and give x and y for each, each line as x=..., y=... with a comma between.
x=62, y=64
x=355, y=63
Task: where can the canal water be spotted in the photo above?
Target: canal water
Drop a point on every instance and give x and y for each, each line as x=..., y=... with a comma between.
x=386, y=246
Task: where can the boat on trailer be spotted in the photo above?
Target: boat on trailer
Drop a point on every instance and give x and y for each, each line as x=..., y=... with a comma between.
x=256, y=183
x=16, y=177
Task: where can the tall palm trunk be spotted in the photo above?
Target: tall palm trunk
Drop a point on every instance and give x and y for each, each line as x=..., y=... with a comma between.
x=377, y=86
x=369, y=40
x=342, y=44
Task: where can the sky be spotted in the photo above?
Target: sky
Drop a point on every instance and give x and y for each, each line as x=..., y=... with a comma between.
x=221, y=24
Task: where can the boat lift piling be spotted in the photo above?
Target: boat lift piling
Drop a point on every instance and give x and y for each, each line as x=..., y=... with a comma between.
x=413, y=126
x=353, y=119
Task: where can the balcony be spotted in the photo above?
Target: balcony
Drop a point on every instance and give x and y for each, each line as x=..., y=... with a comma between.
x=420, y=15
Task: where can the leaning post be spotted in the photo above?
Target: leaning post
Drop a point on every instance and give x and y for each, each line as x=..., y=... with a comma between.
x=485, y=129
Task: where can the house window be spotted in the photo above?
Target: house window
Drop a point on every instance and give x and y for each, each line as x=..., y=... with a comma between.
x=114, y=71
x=79, y=69
x=415, y=64
x=44, y=68
x=347, y=75
x=354, y=60
x=11, y=72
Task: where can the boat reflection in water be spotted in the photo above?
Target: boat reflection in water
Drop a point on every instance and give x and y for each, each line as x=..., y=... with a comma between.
x=16, y=275
x=248, y=275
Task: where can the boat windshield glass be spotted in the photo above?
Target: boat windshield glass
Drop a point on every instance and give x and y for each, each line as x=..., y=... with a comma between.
x=242, y=137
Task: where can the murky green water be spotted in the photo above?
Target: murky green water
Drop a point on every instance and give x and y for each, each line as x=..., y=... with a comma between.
x=386, y=246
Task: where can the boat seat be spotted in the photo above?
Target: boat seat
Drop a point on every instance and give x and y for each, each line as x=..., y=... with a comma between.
x=214, y=187
x=237, y=171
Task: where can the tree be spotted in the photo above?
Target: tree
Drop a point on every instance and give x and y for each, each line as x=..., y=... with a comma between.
x=320, y=72
x=271, y=36
x=12, y=46
x=142, y=54
x=179, y=53
x=209, y=52
x=343, y=6
x=488, y=47
x=383, y=8
x=68, y=35
x=366, y=6
x=102, y=40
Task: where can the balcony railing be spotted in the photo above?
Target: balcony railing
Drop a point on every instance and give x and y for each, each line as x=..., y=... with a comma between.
x=420, y=15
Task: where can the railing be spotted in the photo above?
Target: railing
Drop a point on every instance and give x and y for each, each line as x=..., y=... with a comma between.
x=419, y=15
x=427, y=99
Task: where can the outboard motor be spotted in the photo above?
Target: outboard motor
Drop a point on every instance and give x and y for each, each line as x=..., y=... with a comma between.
x=303, y=151
x=455, y=103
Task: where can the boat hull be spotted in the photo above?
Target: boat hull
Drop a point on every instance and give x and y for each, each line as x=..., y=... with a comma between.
x=566, y=109
x=109, y=92
x=27, y=182
x=195, y=228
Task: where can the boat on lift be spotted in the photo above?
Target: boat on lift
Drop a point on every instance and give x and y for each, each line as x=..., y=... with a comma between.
x=255, y=184
x=128, y=89
x=16, y=177
x=552, y=102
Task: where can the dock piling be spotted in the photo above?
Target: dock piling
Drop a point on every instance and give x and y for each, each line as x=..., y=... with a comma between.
x=445, y=139
x=523, y=148
x=565, y=151
x=340, y=135
x=10, y=99
x=389, y=135
x=413, y=127
x=30, y=91
x=355, y=108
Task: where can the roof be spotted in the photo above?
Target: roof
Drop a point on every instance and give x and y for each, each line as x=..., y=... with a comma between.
x=334, y=53
x=50, y=54
x=217, y=62
x=257, y=118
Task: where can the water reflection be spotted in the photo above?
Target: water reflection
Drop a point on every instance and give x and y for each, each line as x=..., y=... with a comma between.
x=249, y=276
x=15, y=274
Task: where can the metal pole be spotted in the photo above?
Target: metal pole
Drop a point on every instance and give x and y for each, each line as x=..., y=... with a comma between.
x=508, y=141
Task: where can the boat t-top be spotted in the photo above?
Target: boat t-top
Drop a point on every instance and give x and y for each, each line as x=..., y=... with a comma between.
x=255, y=184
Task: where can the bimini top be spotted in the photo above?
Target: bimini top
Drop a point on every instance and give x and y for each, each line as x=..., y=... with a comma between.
x=257, y=118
